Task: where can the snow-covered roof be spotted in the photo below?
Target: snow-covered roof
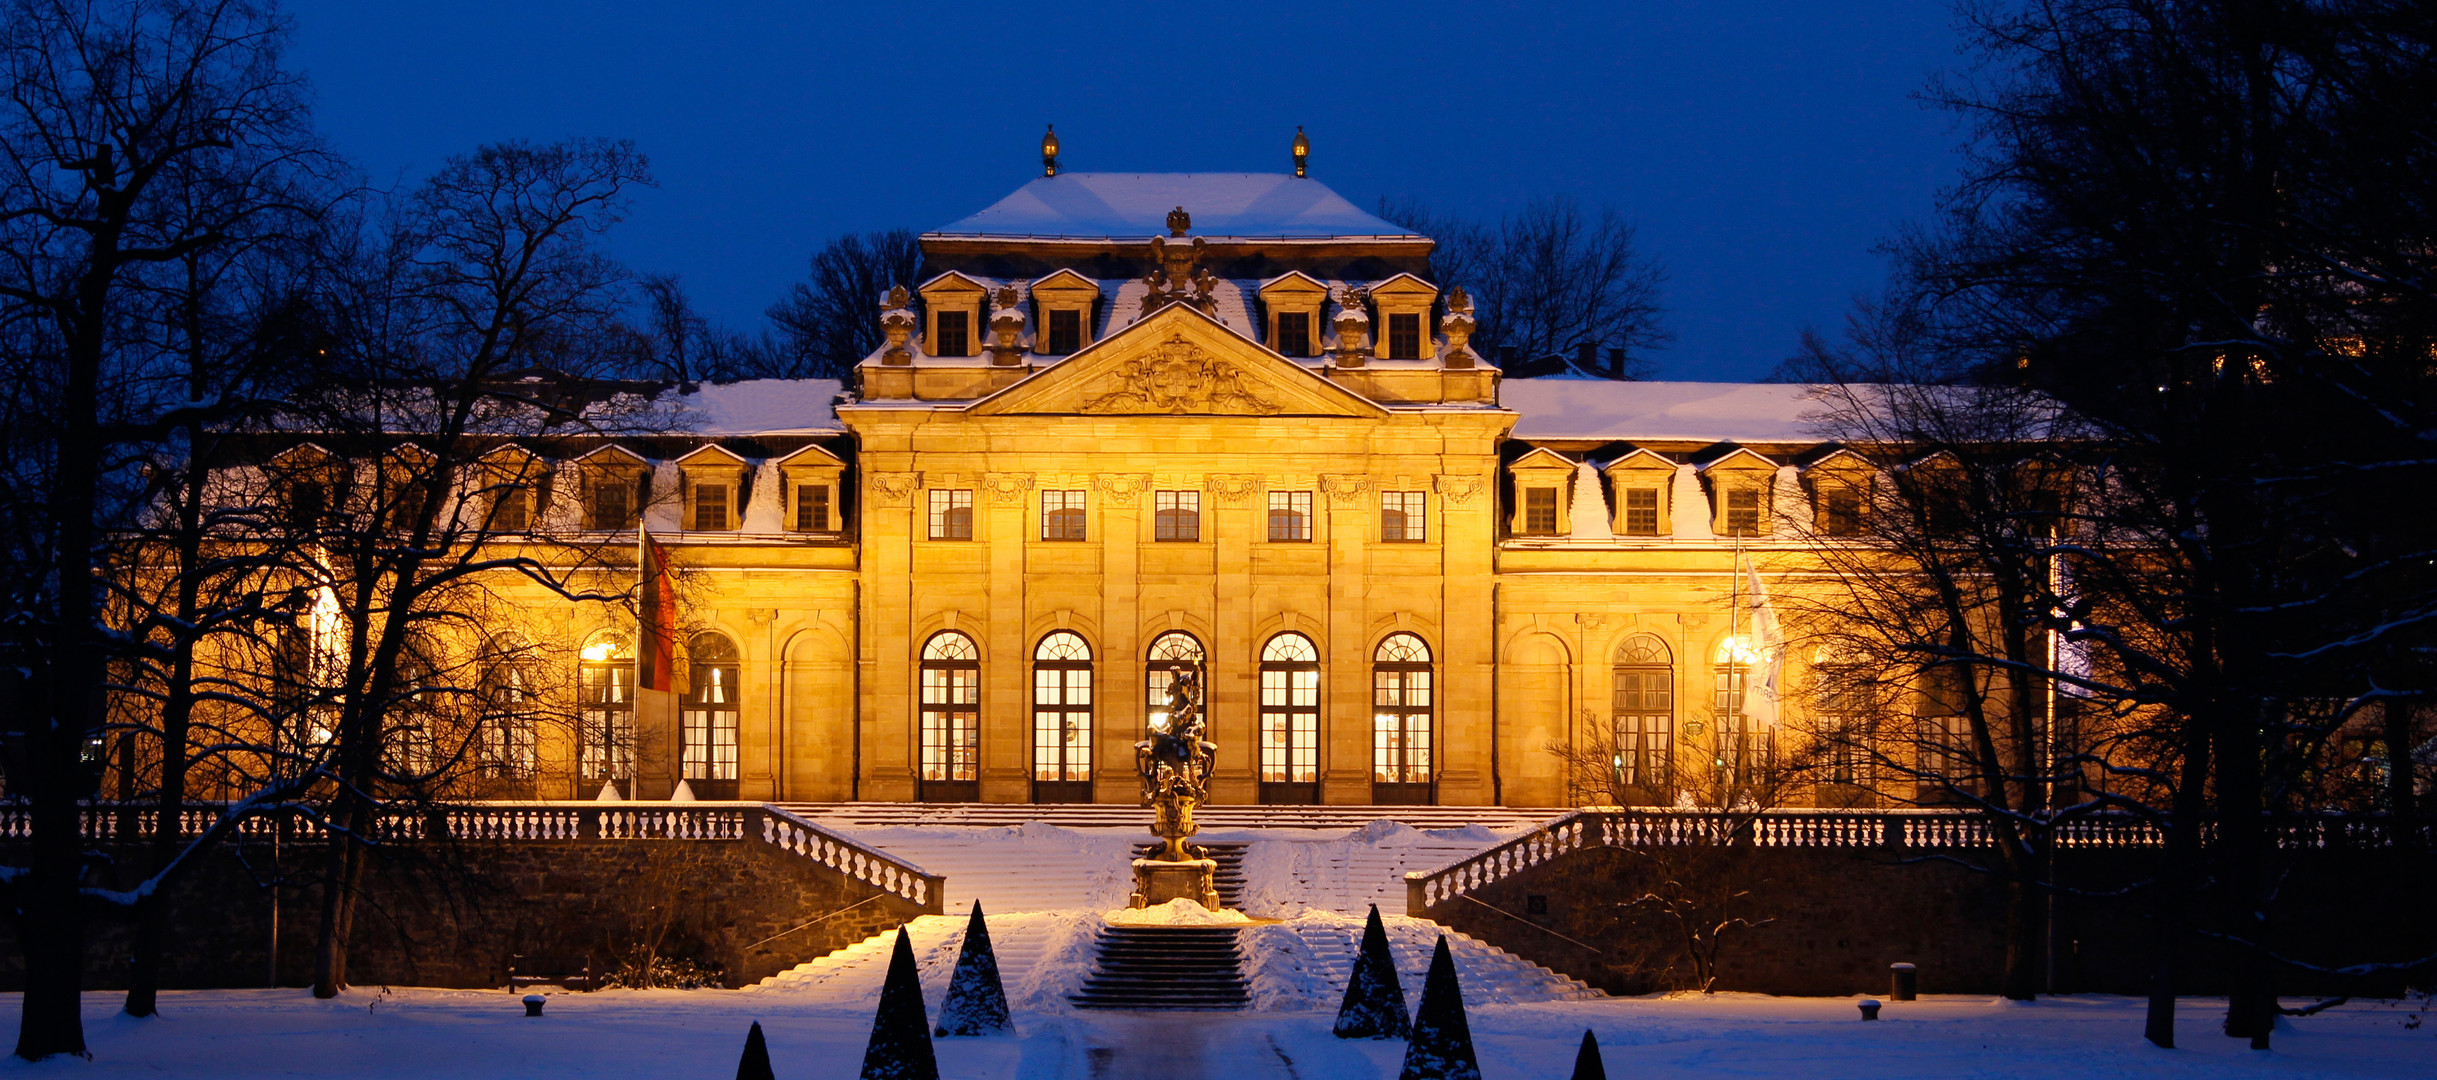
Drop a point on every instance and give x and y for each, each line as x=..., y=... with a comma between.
x=762, y=407
x=1577, y=408
x=1132, y=206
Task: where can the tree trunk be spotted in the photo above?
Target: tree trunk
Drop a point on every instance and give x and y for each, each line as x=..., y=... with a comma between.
x=330, y=941
x=52, y=932
x=2243, y=857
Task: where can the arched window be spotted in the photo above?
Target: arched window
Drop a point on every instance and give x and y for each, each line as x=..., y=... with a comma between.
x=1744, y=747
x=1645, y=716
x=1400, y=721
x=951, y=718
x=1062, y=719
x=605, y=716
x=1170, y=654
x=505, y=743
x=1290, y=720
x=708, y=720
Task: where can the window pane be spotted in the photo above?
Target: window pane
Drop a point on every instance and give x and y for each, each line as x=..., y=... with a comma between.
x=1404, y=337
x=953, y=337
x=1540, y=511
x=812, y=508
x=1295, y=333
x=711, y=506
x=1065, y=332
x=1290, y=516
x=1641, y=511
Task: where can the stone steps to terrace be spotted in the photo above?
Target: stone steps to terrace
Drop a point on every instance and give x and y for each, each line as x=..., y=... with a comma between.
x=1143, y=968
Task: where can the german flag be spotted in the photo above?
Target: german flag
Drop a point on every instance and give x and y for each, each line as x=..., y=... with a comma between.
x=656, y=659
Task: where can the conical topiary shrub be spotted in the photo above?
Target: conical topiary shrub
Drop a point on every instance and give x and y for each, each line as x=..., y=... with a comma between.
x=1441, y=1046
x=1374, y=1005
x=755, y=1065
x=901, y=1034
x=1586, y=1061
x=976, y=1003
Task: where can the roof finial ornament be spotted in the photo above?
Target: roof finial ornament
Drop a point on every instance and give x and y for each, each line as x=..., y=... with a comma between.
x=1303, y=153
x=1179, y=222
x=1049, y=152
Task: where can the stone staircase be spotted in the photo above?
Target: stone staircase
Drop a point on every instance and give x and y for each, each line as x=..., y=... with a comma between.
x=1229, y=877
x=1166, y=968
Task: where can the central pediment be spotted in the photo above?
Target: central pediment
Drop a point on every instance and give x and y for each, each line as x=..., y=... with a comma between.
x=1176, y=362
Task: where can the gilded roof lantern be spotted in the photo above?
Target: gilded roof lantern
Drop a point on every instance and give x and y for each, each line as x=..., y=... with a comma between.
x=1049, y=152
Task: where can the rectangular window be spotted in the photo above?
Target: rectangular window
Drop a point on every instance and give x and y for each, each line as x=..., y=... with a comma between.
x=1540, y=511
x=1404, y=337
x=1290, y=724
x=1295, y=333
x=1062, y=515
x=711, y=507
x=812, y=508
x=1840, y=513
x=1290, y=516
x=1176, y=515
x=605, y=721
x=1641, y=511
x=1743, y=511
x=1065, y=332
x=1400, y=517
x=951, y=514
x=955, y=334
x=1645, y=726
x=613, y=503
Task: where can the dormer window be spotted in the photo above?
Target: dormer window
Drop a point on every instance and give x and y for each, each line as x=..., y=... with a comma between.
x=1840, y=512
x=1404, y=303
x=609, y=502
x=1540, y=511
x=812, y=475
x=1291, y=313
x=1294, y=333
x=1405, y=336
x=1065, y=332
x=714, y=484
x=1742, y=511
x=954, y=304
x=711, y=506
x=954, y=334
x=1641, y=511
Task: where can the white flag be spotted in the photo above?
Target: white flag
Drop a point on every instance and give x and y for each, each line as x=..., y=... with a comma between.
x=1763, y=682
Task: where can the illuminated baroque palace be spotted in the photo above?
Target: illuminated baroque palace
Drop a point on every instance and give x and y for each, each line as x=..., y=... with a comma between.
x=1135, y=423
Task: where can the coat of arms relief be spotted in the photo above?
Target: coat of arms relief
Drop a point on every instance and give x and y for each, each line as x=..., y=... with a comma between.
x=1177, y=376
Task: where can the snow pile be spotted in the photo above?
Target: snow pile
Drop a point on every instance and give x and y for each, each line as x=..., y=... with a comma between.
x=1030, y=867
x=1177, y=912
x=1042, y=957
x=1304, y=963
x=1285, y=878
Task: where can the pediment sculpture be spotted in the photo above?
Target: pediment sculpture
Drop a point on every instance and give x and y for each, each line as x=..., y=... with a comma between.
x=1178, y=377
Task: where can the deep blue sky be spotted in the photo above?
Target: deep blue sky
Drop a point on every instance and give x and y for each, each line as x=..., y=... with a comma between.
x=1761, y=147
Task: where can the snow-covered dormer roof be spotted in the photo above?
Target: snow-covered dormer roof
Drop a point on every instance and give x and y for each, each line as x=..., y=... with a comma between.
x=1131, y=206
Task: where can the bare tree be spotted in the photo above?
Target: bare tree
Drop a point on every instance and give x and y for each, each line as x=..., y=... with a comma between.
x=826, y=325
x=1548, y=279
x=673, y=341
x=138, y=137
x=492, y=262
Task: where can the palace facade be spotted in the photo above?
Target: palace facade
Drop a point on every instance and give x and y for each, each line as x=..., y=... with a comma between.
x=1138, y=423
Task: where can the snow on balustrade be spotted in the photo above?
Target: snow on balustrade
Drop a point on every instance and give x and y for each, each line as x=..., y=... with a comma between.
x=797, y=836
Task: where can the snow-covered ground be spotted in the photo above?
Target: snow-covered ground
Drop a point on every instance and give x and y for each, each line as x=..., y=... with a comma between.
x=659, y=1035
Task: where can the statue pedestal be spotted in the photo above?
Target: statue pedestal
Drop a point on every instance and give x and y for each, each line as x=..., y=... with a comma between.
x=1156, y=882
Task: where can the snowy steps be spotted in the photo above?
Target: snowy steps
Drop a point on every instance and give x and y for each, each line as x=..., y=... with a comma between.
x=1031, y=947
x=1228, y=876
x=1305, y=963
x=1165, y=968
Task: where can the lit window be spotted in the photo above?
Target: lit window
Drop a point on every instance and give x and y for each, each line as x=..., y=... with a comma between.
x=1065, y=332
x=1641, y=511
x=1062, y=515
x=1540, y=511
x=1644, y=711
x=1290, y=719
x=951, y=514
x=1062, y=718
x=1400, y=516
x=708, y=719
x=1400, y=711
x=1176, y=515
x=1290, y=516
x=951, y=717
